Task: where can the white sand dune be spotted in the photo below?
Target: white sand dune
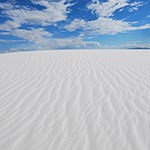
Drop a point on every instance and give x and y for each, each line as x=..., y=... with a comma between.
x=75, y=100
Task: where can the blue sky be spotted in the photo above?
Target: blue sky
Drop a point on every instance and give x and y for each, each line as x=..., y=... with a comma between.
x=74, y=24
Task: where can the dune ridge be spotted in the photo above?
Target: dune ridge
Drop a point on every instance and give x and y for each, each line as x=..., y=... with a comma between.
x=75, y=100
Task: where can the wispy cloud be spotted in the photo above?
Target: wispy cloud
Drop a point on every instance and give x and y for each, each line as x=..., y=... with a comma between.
x=53, y=11
x=135, y=5
x=107, y=9
x=11, y=41
x=32, y=22
x=33, y=35
x=59, y=43
x=6, y=6
x=136, y=45
x=105, y=24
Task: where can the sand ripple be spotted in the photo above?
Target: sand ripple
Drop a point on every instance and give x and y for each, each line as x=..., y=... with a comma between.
x=75, y=100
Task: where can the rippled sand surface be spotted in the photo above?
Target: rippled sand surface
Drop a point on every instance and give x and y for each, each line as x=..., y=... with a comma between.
x=75, y=100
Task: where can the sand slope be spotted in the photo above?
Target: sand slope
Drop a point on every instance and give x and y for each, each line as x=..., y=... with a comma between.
x=75, y=100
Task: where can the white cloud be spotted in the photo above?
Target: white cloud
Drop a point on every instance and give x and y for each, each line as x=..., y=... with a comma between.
x=65, y=43
x=135, y=6
x=33, y=35
x=6, y=5
x=136, y=44
x=10, y=41
x=8, y=25
x=76, y=24
x=104, y=26
x=77, y=42
x=54, y=11
x=107, y=9
x=41, y=39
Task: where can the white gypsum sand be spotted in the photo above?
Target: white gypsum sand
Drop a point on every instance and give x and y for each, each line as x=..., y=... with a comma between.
x=75, y=100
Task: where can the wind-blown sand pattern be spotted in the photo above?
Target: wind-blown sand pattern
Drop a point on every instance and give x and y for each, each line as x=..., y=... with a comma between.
x=75, y=100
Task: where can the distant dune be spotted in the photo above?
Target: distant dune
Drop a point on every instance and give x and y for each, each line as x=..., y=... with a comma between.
x=75, y=100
